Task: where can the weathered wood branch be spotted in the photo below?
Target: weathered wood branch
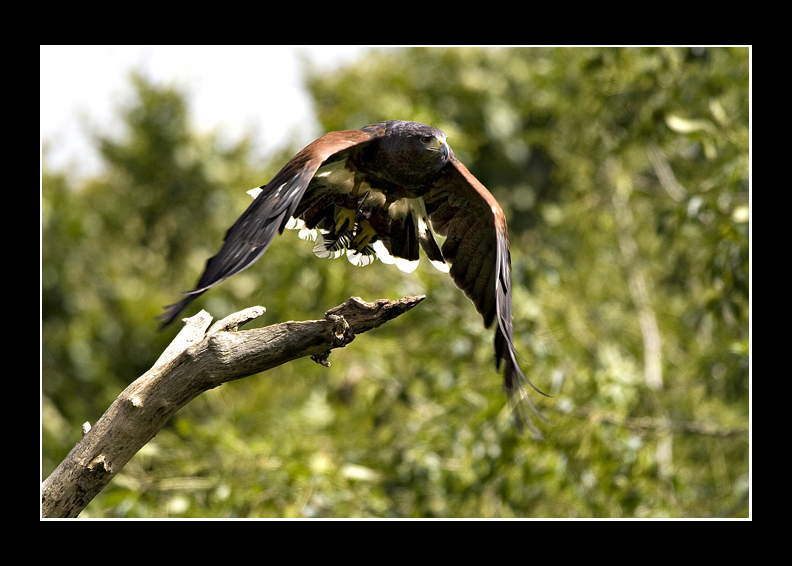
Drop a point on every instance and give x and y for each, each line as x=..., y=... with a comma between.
x=198, y=360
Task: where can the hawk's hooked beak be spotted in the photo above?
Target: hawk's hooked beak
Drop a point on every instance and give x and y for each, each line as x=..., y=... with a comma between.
x=440, y=144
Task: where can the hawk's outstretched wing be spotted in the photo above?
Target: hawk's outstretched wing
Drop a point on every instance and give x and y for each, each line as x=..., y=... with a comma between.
x=251, y=235
x=477, y=248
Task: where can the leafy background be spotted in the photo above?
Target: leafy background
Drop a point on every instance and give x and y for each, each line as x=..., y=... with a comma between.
x=624, y=175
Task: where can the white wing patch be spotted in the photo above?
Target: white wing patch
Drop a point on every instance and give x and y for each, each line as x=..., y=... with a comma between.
x=305, y=232
x=384, y=256
x=361, y=259
x=255, y=192
x=418, y=209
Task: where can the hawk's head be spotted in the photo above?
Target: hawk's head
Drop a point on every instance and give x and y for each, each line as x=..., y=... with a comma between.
x=408, y=153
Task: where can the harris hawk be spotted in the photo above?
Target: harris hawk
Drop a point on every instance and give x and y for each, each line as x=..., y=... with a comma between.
x=382, y=192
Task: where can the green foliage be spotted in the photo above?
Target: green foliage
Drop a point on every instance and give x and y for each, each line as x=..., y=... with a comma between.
x=624, y=177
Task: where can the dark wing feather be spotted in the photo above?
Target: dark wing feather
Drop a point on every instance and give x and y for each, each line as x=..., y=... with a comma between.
x=477, y=248
x=403, y=240
x=250, y=236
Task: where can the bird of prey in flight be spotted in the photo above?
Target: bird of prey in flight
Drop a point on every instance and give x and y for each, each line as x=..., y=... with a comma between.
x=382, y=192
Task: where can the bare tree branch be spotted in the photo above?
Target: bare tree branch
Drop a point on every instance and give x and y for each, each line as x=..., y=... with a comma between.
x=198, y=360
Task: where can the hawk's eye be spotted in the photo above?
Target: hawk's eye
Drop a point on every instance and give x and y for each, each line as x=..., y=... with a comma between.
x=426, y=139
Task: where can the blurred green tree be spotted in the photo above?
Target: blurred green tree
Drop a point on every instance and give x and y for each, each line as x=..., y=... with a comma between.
x=624, y=177
x=114, y=246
